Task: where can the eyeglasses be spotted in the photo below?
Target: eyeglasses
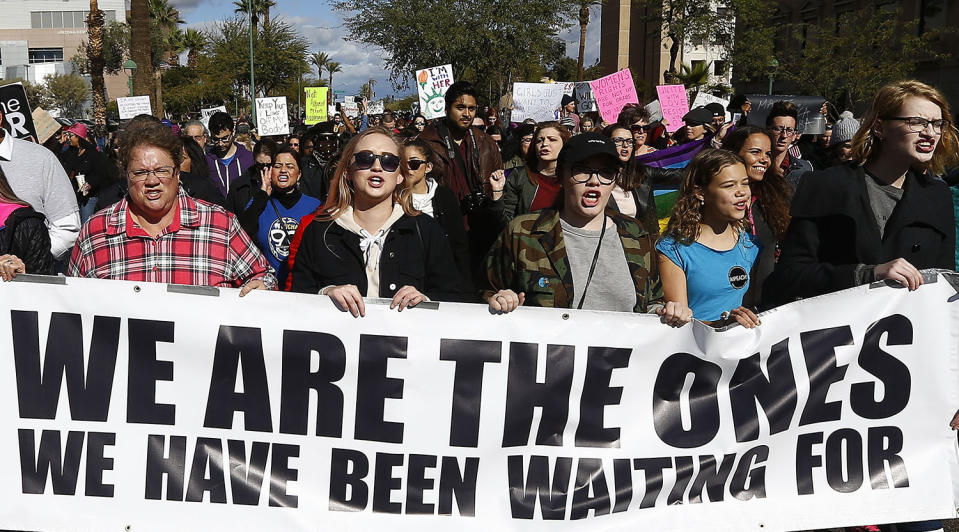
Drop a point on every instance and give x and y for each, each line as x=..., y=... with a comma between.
x=261, y=166
x=364, y=160
x=415, y=164
x=280, y=166
x=624, y=142
x=222, y=140
x=783, y=130
x=163, y=172
x=606, y=175
x=918, y=123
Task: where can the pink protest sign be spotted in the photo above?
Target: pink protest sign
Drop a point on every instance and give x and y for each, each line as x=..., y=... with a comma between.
x=674, y=104
x=612, y=92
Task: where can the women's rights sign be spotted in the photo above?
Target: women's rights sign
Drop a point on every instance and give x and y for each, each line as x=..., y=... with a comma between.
x=674, y=104
x=612, y=92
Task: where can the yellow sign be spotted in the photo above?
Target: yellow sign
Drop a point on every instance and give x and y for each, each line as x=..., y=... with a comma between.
x=316, y=105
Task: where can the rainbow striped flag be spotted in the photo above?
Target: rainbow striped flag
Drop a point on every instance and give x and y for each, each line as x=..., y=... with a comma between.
x=674, y=157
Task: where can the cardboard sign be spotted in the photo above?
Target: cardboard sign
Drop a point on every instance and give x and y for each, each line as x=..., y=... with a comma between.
x=272, y=117
x=133, y=106
x=16, y=112
x=612, y=92
x=538, y=101
x=585, y=102
x=316, y=105
x=703, y=98
x=45, y=124
x=432, y=84
x=674, y=104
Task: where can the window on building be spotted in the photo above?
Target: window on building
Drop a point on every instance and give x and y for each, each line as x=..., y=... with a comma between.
x=46, y=55
x=719, y=68
x=65, y=19
x=697, y=64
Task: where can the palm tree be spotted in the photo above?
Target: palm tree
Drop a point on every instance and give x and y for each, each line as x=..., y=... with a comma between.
x=174, y=47
x=141, y=47
x=372, y=83
x=96, y=64
x=694, y=76
x=584, y=6
x=165, y=18
x=194, y=42
x=260, y=9
x=365, y=91
x=319, y=60
x=333, y=67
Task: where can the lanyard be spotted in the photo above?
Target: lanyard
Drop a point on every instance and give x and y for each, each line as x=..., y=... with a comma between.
x=219, y=175
x=592, y=266
x=454, y=154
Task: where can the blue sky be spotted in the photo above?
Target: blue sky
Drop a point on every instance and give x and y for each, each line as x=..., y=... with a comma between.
x=320, y=25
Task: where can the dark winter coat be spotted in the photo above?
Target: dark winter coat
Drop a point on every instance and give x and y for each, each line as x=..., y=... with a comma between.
x=25, y=235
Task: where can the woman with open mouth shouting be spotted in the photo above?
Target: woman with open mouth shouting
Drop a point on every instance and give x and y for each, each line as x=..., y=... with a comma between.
x=578, y=253
x=707, y=252
x=883, y=215
x=367, y=240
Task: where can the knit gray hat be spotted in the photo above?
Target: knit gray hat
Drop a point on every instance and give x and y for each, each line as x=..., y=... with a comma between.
x=844, y=129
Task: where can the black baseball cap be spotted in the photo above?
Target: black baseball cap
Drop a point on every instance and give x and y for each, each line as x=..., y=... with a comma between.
x=585, y=145
x=717, y=109
x=698, y=116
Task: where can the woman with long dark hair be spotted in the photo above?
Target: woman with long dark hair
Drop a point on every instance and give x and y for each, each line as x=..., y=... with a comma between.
x=633, y=193
x=368, y=241
x=24, y=241
x=771, y=196
x=534, y=186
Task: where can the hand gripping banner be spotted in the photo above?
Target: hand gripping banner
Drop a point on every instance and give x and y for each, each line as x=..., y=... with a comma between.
x=174, y=408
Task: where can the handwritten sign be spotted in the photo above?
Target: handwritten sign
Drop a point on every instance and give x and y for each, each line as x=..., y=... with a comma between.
x=674, y=104
x=316, y=109
x=133, y=106
x=376, y=108
x=568, y=87
x=703, y=98
x=538, y=101
x=271, y=116
x=612, y=92
x=654, y=110
x=432, y=84
x=205, y=114
x=45, y=124
x=350, y=108
x=810, y=120
x=585, y=102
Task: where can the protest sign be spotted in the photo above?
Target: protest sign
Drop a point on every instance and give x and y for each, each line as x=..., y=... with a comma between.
x=182, y=409
x=376, y=108
x=350, y=108
x=568, y=87
x=431, y=85
x=16, y=111
x=538, y=101
x=704, y=98
x=45, y=125
x=612, y=92
x=585, y=103
x=205, y=115
x=809, y=109
x=654, y=110
x=673, y=105
x=271, y=116
x=316, y=105
x=133, y=106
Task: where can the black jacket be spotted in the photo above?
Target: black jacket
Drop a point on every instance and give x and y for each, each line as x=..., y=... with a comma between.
x=834, y=230
x=446, y=211
x=97, y=169
x=415, y=253
x=25, y=235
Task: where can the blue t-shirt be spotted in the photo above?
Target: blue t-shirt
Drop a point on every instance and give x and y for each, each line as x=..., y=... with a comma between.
x=715, y=280
x=273, y=237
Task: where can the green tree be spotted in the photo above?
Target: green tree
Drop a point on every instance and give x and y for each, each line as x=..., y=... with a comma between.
x=490, y=42
x=319, y=60
x=695, y=76
x=142, y=49
x=849, y=66
x=332, y=67
x=583, y=19
x=116, y=48
x=195, y=43
x=67, y=93
x=260, y=8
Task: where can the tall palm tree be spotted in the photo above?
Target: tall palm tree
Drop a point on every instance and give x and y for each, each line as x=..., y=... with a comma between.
x=319, y=60
x=260, y=9
x=96, y=64
x=174, y=47
x=333, y=67
x=141, y=47
x=194, y=42
x=584, y=6
x=372, y=83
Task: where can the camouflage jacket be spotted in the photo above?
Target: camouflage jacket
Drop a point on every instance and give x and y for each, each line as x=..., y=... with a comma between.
x=530, y=256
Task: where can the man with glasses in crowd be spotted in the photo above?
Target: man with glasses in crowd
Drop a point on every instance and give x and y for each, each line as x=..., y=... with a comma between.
x=197, y=131
x=158, y=233
x=227, y=159
x=781, y=122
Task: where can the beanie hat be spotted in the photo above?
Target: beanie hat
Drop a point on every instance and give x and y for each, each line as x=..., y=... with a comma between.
x=567, y=99
x=844, y=129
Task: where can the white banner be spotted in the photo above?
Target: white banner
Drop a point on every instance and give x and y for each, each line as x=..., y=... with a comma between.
x=171, y=409
x=538, y=101
x=272, y=117
x=133, y=106
x=431, y=86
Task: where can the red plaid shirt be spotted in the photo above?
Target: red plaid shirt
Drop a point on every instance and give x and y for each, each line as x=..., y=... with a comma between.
x=204, y=246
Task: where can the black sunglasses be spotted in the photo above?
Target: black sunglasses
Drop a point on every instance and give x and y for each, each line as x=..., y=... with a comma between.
x=364, y=160
x=637, y=129
x=415, y=164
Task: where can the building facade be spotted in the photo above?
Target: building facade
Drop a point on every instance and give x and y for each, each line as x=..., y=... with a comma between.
x=39, y=37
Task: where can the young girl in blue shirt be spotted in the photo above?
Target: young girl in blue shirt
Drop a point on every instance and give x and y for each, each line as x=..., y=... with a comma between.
x=707, y=253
